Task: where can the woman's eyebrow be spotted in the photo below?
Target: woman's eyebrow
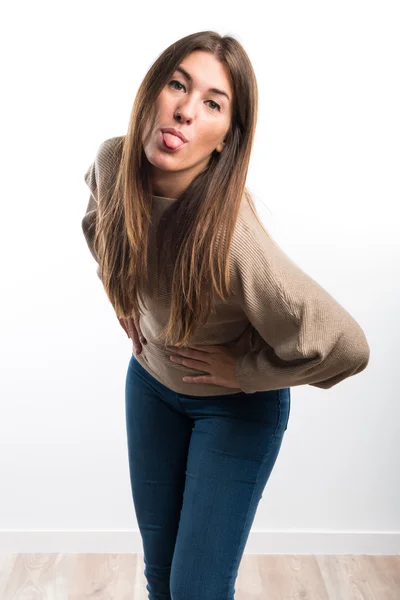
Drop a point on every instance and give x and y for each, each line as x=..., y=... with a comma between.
x=190, y=79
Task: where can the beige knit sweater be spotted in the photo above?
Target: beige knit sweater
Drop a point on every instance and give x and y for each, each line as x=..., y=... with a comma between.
x=290, y=330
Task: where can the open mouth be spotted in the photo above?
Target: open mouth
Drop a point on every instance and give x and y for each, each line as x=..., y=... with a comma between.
x=171, y=141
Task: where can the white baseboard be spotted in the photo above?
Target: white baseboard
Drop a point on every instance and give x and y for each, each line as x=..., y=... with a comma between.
x=259, y=542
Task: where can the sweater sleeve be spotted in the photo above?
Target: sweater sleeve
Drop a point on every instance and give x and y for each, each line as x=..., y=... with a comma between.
x=89, y=219
x=306, y=336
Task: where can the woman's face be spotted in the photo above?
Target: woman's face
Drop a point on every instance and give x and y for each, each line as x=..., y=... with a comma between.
x=201, y=115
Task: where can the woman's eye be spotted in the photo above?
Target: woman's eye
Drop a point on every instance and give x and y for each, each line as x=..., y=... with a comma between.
x=182, y=86
x=178, y=82
x=219, y=108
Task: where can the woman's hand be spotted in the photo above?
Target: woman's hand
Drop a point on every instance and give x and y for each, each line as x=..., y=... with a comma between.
x=132, y=330
x=218, y=361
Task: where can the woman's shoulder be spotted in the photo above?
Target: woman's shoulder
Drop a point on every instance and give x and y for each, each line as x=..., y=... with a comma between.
x=250, y=232
x=107, y=160
x=109, y=151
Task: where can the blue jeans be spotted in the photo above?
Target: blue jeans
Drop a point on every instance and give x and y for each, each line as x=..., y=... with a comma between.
x=198, y=466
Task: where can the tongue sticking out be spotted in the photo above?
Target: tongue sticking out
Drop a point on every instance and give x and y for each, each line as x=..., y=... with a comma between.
x=172, y=141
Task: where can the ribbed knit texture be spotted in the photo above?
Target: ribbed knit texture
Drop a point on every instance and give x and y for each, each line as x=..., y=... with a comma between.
x=290, y=330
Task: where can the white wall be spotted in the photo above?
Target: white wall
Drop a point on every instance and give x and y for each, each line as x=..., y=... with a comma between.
x=325, y=174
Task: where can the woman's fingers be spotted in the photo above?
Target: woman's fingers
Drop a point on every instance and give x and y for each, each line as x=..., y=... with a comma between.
x=137, y=326
x=122, y=323
x=130, y=328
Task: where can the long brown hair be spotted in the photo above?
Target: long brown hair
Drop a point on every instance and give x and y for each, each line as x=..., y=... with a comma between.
x=201, y=222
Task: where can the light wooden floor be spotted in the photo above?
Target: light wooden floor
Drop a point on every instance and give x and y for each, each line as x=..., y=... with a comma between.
x=262, y=577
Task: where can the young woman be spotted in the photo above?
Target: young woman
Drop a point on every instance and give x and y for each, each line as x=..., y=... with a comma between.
x=223, y=321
